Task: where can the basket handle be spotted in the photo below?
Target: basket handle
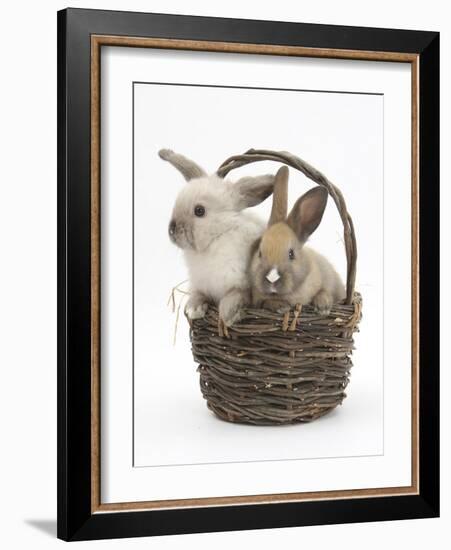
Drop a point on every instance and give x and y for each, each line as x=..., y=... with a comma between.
x=256, y=155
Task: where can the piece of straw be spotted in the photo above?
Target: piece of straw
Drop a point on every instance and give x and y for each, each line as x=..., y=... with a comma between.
x=172, y=300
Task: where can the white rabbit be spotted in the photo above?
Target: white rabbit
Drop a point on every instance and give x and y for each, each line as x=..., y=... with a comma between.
x=208, y=223
x=284, y=272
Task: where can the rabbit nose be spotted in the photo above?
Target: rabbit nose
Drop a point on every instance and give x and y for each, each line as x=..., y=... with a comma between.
x=273, y=275
x=172, y=227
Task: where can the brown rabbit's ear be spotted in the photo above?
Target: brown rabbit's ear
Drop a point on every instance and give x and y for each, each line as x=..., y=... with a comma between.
x=280, y=197
x=307, y=212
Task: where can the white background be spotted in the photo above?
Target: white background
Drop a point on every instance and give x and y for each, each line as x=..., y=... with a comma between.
x=28, y=277
x=342, y=133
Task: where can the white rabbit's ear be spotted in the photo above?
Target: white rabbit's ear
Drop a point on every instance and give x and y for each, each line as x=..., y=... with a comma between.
x=307, y=212
x=188, y=168
x=250, y=191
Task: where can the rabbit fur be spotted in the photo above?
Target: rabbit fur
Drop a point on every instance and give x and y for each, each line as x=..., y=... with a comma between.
x=210, y=224
x=283, y=271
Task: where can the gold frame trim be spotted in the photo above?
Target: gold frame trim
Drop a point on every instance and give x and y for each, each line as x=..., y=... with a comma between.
x=97, y=41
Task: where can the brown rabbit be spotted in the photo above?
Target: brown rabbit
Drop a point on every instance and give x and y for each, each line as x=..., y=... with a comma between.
x=283, y=271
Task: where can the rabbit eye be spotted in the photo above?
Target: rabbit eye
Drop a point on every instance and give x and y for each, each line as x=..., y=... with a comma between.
x=259, y=253
x=199, y=210
x=291, y=254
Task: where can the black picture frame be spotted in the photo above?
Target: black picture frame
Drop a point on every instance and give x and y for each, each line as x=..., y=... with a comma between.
x=76, y=521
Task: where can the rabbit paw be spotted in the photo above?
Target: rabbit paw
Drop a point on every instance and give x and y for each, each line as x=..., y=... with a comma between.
x=278, y=306
x=197, y=307
x=233, y=315
x=231, y=307
x=322, y=302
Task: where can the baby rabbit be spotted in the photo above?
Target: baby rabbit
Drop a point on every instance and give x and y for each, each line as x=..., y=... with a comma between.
x=283, y=271
x=208, y=223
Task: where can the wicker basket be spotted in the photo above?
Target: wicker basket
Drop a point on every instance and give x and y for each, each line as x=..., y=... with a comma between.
x=273, y=369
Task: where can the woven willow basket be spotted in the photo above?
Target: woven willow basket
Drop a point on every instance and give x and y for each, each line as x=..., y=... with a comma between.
x=271, y=368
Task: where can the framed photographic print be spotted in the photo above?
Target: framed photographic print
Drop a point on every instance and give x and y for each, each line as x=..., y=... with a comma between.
x=248, y=274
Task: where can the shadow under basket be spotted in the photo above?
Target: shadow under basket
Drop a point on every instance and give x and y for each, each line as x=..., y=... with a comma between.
x=274, y=369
